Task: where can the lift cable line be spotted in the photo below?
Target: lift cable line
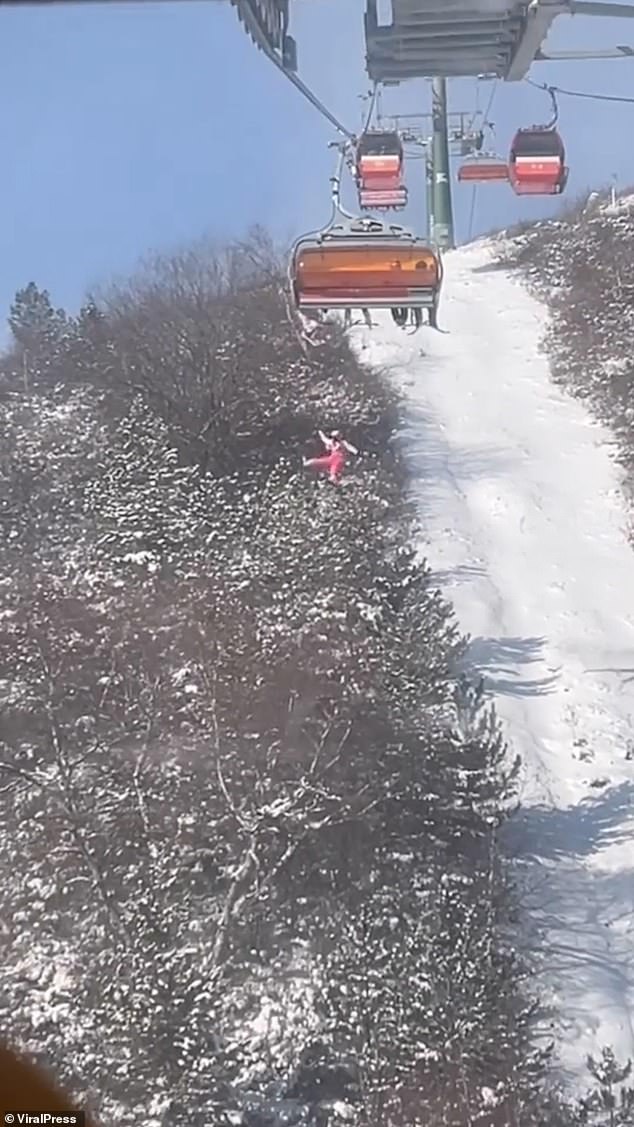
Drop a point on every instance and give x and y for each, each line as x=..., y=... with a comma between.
x=259, y=38
x=485, y=123
x=580, y=93
x=474, y=190
x=312, y=98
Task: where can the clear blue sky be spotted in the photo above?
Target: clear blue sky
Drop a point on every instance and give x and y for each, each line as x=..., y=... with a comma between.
x=127, y=128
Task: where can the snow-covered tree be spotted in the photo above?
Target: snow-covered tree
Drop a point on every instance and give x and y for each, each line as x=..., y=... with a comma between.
x=611, y=1102
x=581, y=265
x=41, y=334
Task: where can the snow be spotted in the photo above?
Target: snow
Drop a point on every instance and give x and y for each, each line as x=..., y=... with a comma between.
x=525, y=525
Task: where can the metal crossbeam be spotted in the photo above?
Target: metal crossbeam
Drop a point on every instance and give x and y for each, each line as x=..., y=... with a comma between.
x=434, y=38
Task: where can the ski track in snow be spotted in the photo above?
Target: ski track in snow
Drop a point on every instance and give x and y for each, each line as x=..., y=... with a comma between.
x=526, y=529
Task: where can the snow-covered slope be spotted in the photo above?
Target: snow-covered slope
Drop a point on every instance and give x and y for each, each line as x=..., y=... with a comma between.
x=527, y=532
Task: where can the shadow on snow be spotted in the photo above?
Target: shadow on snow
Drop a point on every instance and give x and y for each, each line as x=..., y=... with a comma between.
x=499, y=662
x=576, y=831
x=578, y=913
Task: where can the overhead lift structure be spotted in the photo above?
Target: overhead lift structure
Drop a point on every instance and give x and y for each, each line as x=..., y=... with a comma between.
x=428, y=38
x=434, y=39
x=458, y=38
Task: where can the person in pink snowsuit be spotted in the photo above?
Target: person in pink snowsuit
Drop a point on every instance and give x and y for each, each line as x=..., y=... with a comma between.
x=336, y=457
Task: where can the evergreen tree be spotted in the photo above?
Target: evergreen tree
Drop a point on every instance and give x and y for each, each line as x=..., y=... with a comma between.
x=41, y=332
x=34, y=322
x=611, y=1103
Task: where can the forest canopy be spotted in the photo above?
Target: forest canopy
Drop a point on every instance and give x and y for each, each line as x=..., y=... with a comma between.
x=251, y=811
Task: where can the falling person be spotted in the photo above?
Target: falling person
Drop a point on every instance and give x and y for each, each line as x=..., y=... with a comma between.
x=334, y=460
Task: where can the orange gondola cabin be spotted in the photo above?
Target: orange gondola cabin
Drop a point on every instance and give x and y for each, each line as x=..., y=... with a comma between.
x=483, y=168
x=379, y=166
x=537, y=162
x=365, y=265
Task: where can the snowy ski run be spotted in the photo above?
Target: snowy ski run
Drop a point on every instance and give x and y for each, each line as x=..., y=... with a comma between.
x=526, y=529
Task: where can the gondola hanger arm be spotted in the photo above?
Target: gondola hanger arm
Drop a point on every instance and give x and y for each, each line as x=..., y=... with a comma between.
x=335, y=180
x=555, y=118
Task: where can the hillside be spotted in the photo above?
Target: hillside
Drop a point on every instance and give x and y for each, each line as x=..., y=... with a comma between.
x=250, y=851
x=581, y=267
x=261, y=857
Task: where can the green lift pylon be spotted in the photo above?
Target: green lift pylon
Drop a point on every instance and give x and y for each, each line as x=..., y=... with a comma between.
x=443, y=232
x=438, y=134
x=429, y=186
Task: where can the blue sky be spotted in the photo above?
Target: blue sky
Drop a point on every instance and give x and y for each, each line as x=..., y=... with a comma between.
x=127, y=128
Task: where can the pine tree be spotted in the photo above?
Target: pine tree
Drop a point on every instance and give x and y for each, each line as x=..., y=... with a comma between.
x=611, y=1103
x=33, y=320
x=40, y=331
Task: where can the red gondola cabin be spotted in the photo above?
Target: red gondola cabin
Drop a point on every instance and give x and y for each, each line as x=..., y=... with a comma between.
x=379, y=171
x=537, y=162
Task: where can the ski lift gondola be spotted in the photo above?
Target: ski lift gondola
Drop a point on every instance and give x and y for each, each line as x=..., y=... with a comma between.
x=363, y=263
x=379, y=161
x=537, y=160
x=483, y=168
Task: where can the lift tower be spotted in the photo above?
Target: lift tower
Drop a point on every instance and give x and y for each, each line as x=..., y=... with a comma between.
x=439, y=134
x=443, y=233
